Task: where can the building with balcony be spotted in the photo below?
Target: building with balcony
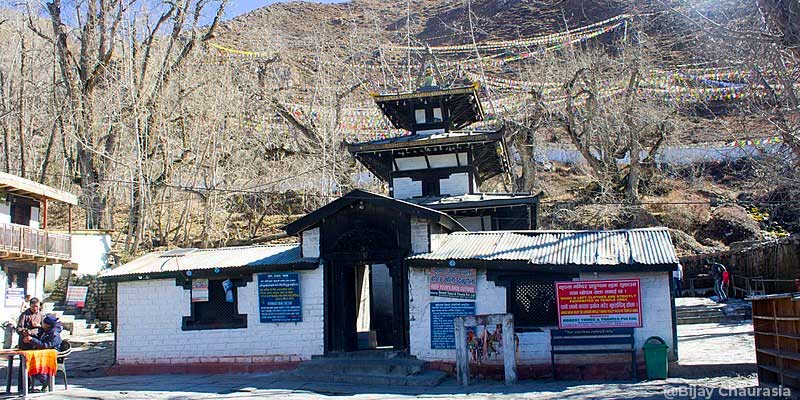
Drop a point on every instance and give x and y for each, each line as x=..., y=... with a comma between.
x=26, y=243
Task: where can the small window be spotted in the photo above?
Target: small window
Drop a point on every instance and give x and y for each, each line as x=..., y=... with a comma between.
x=419, y=115
x=533, y=302
x=217, y=312
x=437, y=115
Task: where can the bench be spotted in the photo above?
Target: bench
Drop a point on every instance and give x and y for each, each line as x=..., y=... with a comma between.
x=592, y=341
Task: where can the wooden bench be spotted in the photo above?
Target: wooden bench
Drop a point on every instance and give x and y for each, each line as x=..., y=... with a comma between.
x=592, y=341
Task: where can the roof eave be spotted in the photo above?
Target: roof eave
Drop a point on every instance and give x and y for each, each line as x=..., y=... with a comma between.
x=525, y=266
x=210, y=272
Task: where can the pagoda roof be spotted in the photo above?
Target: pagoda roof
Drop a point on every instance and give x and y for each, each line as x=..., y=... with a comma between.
x=488, y=148
x=463, y=104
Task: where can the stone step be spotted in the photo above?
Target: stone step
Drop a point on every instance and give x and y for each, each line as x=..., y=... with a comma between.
x=701, y=320
x=689, y=314
x=393, y=367
x=426, y=378
x=364, y=355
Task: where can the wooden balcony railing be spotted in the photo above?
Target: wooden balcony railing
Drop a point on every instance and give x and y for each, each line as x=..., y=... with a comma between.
x=20, y=240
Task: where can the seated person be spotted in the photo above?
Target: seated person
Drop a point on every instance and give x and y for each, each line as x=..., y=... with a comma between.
x=29, y=323
x=49, y=337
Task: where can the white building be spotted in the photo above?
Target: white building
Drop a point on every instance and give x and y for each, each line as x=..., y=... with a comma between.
x=349, y=281
x=26, y=243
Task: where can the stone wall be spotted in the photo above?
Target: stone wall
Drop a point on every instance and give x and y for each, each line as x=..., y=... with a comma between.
x=100, y=300
x=150, y=319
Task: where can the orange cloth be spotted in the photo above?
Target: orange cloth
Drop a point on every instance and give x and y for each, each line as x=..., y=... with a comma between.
x=41, y=361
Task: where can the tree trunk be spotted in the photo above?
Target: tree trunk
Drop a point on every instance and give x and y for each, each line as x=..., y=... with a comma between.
x=632, y=187
x=21, y=109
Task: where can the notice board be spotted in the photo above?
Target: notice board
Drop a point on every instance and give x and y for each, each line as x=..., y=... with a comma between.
x=599, y=304
x=199, y=290
x=279, y=297
x=442, y=328
x=458, y=283
x=14, y=297
x=76, y=296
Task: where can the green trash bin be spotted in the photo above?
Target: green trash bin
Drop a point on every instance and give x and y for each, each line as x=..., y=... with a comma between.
x=655, y=357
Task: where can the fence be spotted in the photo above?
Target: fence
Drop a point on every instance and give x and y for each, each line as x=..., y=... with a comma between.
x=34, y=242
x=763, y=268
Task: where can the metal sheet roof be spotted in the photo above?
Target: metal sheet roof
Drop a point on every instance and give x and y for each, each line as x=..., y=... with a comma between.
x=649, y=246
x=224, y=257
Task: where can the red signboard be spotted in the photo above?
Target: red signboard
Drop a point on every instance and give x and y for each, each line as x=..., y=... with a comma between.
x=599, y=304
x=76, y=296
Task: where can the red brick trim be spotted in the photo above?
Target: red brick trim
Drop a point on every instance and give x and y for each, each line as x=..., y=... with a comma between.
x=604, y=371
x=200, y=368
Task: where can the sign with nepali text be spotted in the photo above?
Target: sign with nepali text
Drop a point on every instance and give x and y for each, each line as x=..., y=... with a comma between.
x=279, y=297
x=76, y=296
x=443, y=334
x=599, y=304
x=458, y=283
x=199, y=290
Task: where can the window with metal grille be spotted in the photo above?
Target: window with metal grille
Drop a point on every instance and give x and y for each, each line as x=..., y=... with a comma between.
x=217, y=312
x=533, y=302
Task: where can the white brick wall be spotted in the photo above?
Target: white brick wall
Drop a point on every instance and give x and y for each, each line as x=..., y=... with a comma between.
x=150, y=313
x=491, y=299
x=534, y=346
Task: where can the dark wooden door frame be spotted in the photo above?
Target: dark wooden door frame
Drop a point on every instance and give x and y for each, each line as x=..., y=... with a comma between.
x=337, y=312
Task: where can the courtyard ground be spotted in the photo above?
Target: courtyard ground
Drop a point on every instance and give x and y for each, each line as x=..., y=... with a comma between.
x=717, y=362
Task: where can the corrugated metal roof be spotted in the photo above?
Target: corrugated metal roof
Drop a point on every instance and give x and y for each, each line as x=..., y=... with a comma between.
x=649, y=246
x=224, y=257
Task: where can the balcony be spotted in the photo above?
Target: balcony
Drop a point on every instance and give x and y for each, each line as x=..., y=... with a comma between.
x=23, y=243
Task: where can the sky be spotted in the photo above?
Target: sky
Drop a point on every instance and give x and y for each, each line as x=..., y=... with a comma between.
x=239, y=7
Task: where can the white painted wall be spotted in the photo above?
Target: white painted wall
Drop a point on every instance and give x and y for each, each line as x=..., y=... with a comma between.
x=534, y=347
x=5, y=213
x=91, y=251
x=656, y=304
x=406, y=188
x=443, y=160
x=310, y=243
x=420, y=233
x=34, y=221
x=456, y=184
x=491, y=299
x=472, y=224
x=149, y=326
x=411, y=163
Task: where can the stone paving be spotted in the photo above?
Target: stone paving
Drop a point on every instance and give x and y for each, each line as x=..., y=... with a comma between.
x=720, y=356
x=268, y=386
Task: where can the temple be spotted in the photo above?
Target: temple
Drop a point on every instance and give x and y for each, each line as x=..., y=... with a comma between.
x=382, y=277
x=442, y=163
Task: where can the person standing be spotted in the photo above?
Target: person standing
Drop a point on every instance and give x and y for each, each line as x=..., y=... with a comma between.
x=26, y=303
x=677, y=280
x=717, y=271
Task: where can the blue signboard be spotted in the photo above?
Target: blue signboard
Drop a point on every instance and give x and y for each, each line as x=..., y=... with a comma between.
x=442, y=316
x=279, y=297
